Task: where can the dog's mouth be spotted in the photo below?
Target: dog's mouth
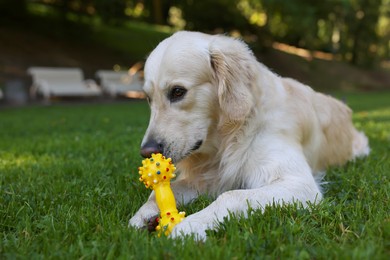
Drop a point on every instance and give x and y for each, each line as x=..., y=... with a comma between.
x=177, y=157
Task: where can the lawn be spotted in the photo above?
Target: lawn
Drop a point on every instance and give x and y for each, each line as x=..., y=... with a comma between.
x=69, y=184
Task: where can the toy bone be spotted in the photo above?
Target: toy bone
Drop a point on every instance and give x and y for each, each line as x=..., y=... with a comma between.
x=156, y=173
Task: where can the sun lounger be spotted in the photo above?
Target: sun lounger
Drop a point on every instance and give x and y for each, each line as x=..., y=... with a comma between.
x=122, y=83
x=61, y=82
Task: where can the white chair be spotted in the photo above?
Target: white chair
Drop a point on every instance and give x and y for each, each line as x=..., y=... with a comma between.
x=125, y=83
x=61, y=82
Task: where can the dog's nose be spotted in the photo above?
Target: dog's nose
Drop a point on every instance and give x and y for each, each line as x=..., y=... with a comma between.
x=150, y=147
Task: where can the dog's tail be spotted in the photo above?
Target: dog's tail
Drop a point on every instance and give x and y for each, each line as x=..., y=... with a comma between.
x=360, y=147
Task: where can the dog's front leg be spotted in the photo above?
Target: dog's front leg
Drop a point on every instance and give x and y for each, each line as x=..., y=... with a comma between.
x=237, y=201
x=145, y=213
x=183, y=192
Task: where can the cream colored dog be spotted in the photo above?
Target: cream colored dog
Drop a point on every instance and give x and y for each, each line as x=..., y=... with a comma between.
x=237, y=131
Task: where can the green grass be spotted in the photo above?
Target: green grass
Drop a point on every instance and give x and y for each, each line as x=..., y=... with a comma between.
x=68, y=186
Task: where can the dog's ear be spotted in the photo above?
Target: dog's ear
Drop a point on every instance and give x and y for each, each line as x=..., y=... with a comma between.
x=233, y=69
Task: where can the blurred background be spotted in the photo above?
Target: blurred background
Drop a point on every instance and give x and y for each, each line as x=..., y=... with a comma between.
x=333, y=45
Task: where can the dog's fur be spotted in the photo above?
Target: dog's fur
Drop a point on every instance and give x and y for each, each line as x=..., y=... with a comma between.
x=264, y=139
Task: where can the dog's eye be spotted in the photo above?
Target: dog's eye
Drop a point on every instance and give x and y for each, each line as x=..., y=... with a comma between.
x=176, y=93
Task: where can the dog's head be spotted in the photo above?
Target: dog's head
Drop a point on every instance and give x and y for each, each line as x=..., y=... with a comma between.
x=192, y=81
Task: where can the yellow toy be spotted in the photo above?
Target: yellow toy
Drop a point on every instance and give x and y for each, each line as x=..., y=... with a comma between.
x=156, y=173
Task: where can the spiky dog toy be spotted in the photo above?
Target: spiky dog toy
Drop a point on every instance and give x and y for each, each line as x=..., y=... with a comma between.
x=156, y=173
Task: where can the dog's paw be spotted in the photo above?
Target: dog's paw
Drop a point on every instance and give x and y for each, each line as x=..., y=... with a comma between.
x=137, y=221
x=148, y=224
x=144, y=218
x=192, y=227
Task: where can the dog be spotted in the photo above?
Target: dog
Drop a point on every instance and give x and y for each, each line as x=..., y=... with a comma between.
x=237, y=131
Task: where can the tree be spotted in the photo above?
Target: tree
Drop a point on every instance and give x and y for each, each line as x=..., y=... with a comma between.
x=211, y=15
x=362, y=22
x=111, y=12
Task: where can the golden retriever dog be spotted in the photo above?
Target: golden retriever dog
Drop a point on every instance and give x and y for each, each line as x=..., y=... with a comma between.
x=237, y=131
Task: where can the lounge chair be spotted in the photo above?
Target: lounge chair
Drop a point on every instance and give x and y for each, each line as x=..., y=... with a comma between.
x=125, y=83
x=61, y=82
